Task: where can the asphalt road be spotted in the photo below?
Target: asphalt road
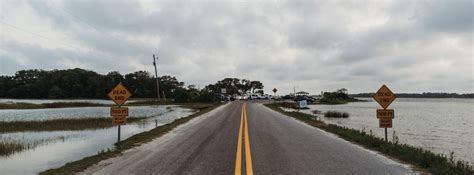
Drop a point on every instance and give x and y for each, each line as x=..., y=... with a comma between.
x=270, y=143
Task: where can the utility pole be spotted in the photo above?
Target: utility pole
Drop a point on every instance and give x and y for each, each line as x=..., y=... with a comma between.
x=156, y=75
x=294, y=90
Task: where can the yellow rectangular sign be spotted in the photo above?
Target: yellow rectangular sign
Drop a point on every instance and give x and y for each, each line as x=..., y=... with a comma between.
x=385, y=123
x=386, y=113
x=119, y=120
x=119, y=111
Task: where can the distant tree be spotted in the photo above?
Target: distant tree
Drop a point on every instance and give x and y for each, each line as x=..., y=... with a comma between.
x=234, y=86
x=55, y=92
x=80, y=83
x=141, y=84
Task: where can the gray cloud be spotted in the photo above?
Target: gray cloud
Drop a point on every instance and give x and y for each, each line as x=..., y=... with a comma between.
x=317, y=45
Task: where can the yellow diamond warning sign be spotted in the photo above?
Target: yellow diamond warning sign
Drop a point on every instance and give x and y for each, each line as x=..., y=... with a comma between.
x=119, y=94
x=384, y=96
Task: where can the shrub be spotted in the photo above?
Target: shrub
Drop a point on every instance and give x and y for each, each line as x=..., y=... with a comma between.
x=336, y=114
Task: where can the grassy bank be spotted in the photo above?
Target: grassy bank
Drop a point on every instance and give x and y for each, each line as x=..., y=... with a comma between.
x=47, y=105
x=136, y=140
x=434, y=163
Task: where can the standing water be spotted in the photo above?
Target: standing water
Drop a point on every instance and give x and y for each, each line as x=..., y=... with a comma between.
x=439, y=125
x=66, y=146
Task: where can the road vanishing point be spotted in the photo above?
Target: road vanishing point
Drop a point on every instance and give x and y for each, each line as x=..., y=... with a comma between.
x=248, y=138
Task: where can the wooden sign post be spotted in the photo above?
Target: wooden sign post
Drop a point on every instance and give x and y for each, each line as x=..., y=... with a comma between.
x=384, y=96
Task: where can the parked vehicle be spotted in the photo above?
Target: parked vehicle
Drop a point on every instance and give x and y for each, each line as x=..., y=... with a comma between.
x=253, y=96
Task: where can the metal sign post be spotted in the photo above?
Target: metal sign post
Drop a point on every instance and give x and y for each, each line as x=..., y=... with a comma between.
x=384, y=96
x=119, y=114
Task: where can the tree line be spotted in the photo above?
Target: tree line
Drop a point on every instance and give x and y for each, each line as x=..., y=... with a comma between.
x=79, y=83
x=422, y=95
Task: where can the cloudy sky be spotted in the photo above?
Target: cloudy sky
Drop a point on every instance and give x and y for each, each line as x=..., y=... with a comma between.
x=412, y=46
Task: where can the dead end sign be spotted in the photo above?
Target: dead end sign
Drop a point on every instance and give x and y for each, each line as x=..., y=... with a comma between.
x=119, y=94
x=384, y=96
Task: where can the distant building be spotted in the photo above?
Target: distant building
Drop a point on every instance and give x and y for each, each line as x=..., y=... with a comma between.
x=302, y=93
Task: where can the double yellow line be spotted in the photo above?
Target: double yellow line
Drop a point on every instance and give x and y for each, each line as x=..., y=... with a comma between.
x=248, y=155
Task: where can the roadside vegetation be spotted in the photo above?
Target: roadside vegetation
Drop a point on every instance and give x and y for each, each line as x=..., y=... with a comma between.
x=425, y=159
x=136, y=140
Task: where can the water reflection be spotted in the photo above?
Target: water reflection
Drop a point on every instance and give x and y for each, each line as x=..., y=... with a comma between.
x=76, y=145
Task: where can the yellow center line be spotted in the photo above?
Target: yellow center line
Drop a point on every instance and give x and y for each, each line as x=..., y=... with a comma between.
x=248, y=155
x=238, y=159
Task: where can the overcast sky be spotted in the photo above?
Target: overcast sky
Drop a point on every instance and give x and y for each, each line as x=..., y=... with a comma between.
x=412, y=46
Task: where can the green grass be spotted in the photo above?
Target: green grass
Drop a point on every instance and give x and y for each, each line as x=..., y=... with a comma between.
x=425, y=159
x=136, y=140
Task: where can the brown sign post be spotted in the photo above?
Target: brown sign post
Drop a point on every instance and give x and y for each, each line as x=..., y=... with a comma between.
x=384, y=96
x=119, y=95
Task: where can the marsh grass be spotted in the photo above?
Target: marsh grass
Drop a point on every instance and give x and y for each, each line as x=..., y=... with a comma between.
x=10, y=146
x=336, y=114
x=434, y=163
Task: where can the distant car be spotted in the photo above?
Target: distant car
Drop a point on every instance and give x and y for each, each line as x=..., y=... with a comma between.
x=253, y=96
